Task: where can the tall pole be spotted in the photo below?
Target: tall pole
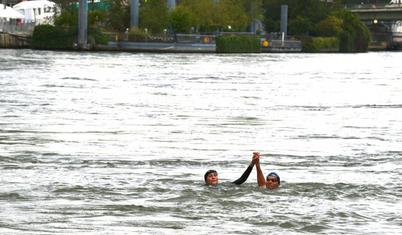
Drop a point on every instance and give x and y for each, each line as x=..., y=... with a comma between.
x=171, y=4
x=82, y=23
x=284, y=19
x=134, y=14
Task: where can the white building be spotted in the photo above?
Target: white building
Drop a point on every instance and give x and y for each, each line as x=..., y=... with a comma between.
x=41, y=11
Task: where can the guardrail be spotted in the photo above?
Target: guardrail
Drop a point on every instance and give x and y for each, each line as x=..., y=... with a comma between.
x=140, y=37
x=274, y=40
x=14, y=27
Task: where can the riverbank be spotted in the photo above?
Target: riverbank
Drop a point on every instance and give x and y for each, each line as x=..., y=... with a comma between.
x=171, y=46
x=8, y=40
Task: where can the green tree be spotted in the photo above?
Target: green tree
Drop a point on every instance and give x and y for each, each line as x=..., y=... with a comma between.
x=310, y=12
x=67, y=5
x=253, y=9
x=330, y=27
x=212, y=15
x=300, y=26
x=355, y=36
x=154, y=16
x=231, y=13
x=67, y=18
x=272, y=14
x=181, y=19
x=95, y=17
x=118, y=16
x=204, y=12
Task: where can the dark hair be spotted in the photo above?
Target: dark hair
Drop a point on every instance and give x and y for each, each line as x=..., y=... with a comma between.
x=209, y=172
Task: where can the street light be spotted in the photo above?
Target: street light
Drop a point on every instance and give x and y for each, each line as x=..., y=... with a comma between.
x=164, y=35
x=146, y=30
x=375, y=21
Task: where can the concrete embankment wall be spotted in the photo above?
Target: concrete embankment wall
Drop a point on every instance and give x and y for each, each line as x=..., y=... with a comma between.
x=13, y=41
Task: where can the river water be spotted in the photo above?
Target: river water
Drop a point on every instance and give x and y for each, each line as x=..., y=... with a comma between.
x=118, y=143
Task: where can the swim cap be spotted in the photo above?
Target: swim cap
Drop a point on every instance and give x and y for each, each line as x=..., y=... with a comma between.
x=209, y=172
x=276, y=176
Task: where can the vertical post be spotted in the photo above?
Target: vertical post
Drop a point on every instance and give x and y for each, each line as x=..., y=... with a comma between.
x=171, y=4
x=82, y=23
x=134, y=24
x=284, y=19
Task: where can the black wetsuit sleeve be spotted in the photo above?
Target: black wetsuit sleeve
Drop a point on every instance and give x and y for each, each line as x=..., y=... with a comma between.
x=244, y=177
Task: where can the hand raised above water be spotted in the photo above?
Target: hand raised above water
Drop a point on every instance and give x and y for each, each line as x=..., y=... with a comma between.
x=256, y=157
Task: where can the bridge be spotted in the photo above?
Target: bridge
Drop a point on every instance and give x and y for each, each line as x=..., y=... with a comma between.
x=379, y=12
x=384, y=22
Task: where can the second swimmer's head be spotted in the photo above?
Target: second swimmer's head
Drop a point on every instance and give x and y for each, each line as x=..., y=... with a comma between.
x=211, y=177
x=273, y=181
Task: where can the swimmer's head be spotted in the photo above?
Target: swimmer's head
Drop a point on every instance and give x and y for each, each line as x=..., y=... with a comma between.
x=273, y=181
x=211, y=177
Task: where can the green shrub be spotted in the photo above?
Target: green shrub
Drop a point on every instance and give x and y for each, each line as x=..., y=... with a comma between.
x=238, y=44
x=62, y=38
x=355, y=36
x=100, y=38
x=320, y=44
x=51, y=37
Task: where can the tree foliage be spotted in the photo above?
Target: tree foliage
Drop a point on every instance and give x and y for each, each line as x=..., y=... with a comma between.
x=253, y=9
x=238, y=44
x=309, y=12
x=231, y=13
x=118, y=16
x=211, y=15
x=355, y=36
x=181, y=20
x=154, y=16
x=330, y=27
x=67, y=18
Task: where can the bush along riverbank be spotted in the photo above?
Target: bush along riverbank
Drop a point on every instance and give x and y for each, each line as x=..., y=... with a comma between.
x=238, y=44
x=47, y=37
x=342, y=29
x=320, y=44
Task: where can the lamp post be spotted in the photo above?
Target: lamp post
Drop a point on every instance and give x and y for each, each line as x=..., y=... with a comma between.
x=146, y=30
x=164, y=35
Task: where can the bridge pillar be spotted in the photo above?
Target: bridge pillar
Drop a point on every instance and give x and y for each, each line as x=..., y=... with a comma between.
x=171, y=4
x=82, y=23
x=284, y=19
x=134, y=14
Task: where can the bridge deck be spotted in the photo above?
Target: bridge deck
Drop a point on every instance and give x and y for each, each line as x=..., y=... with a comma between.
x=378, y=12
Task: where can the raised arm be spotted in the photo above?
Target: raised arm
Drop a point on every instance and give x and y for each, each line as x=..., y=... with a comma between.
x=260, y=175
x=245, y=175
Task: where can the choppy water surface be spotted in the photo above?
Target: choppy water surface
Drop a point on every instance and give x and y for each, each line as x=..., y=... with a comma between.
x=118, y=143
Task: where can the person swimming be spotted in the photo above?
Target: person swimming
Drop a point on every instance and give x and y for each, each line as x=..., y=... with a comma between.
x=211, y=176
x=273, y=180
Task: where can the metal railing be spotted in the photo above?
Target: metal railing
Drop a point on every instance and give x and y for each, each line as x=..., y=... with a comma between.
x=370, y=6
x=196, y=38
x=140, y=37
x=16, y=27
x=274, y=40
